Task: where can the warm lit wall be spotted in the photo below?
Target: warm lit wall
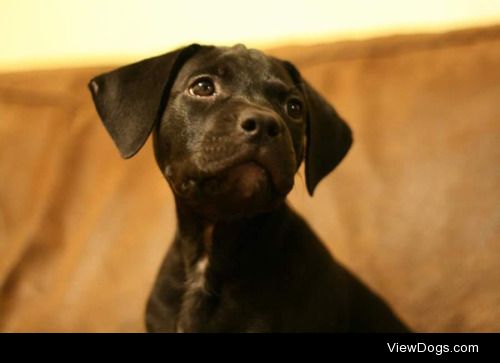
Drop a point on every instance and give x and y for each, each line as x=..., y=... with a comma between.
x=54, y=33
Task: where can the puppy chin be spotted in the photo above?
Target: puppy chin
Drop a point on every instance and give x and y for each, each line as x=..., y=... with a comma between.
x=240, y=191
x=243, y=190
x=248, y=182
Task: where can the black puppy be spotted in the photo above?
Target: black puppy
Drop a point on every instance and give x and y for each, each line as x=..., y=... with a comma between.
x=231, y=127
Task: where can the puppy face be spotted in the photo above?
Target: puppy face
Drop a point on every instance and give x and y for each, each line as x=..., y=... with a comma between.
x=232, y=134
x=230, y=125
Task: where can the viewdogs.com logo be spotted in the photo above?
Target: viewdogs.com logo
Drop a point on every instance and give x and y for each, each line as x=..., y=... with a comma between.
x=437, y=349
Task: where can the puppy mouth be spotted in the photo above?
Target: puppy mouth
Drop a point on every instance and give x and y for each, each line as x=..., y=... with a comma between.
x=248, y=178
x=247, y=173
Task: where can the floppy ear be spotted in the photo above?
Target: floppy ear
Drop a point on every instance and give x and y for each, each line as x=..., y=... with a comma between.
x=131, y=99
x=329, y=138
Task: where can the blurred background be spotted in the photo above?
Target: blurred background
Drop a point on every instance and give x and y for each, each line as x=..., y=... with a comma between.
x=413, y=210
x=58, y=33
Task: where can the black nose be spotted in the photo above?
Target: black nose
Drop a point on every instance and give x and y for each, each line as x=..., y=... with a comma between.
x=259, y=124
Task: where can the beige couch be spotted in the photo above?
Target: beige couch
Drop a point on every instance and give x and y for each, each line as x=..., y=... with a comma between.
x=414, y=209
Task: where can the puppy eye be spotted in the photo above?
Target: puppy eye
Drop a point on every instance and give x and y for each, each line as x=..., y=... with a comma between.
x=202, y=87
x=294, y=108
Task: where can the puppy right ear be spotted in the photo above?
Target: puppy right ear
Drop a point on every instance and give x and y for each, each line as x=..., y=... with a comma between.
x=131, y=99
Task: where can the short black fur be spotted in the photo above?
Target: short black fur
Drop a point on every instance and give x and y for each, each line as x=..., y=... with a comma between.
x=242, y=260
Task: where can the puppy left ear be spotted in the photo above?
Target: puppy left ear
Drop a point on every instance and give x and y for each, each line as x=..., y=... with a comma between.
x=131, y=99
x=329, y=138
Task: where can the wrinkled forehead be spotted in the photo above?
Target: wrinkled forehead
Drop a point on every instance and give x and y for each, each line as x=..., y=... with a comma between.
x=237, y=63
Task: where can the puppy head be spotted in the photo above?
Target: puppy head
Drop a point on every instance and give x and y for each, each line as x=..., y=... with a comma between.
x=230, y=125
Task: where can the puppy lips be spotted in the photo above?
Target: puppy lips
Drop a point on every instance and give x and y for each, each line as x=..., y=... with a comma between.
x=255, y=172
x=244, y=180
x=248, y=178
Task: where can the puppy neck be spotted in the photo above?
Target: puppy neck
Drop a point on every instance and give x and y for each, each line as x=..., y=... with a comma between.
x=227, y=244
